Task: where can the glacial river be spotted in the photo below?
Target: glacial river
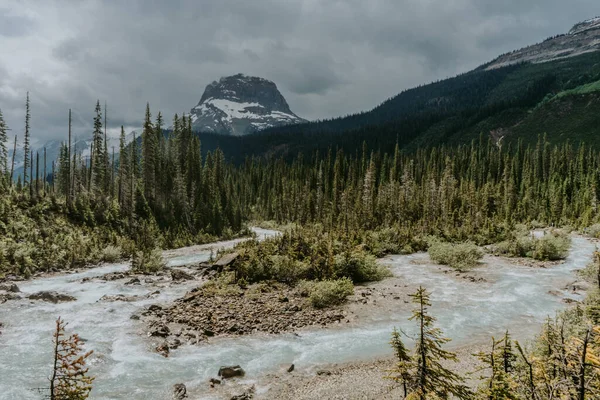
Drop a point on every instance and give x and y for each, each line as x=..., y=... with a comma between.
x=126, y=367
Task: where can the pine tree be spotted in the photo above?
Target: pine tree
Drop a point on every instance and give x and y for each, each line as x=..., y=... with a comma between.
x=149, y=149
x=404, y=363
x=123, y=176
x=97, y=160
x=70, y=379
x=432, y=380
x=3, y=148
x=69, y=167
x=26, y=147
x=498, y=385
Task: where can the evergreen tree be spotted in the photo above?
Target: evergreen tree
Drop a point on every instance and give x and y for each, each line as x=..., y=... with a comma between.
x=97, y=160
x=432, y=380
x=404, y=362
x=70, y=379
x=149, y=156
x=3, y=148
x=26, y=147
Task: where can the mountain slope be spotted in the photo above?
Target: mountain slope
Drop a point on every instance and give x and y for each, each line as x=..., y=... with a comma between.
x=240, y=104
x=583, y=38
x=514, y=102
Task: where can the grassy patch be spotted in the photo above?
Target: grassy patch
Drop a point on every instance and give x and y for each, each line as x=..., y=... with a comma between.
x=553, y=246
x=327, y=293
x=460, y=256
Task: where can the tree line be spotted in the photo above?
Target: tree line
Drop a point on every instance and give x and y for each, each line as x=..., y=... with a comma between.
x=162, y=191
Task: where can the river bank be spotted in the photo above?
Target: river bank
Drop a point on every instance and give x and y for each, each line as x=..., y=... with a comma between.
x=126, y=364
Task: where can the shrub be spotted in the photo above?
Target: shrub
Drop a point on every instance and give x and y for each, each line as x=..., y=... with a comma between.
x=461, y=256
x=551, y=247
x=148, y=262
x=111, y=254
x=359, y=266
x=327, y=293
x=287, y=270
x=594, y=231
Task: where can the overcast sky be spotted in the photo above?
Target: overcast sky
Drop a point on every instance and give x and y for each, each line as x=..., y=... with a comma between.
x=328, y=57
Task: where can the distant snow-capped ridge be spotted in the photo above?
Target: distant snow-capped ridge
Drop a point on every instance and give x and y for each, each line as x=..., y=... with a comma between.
x=583, y=38
x=592, y=23
x=241, y=104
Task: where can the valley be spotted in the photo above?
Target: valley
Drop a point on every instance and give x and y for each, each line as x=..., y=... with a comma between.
x=440, y=245
x=508, y=296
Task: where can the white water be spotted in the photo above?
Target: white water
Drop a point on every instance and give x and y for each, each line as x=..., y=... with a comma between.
x=514, y=298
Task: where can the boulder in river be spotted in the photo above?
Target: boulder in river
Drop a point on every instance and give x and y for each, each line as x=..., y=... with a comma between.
x=51, y=297
x=163, y=349
x=231, y=372
x=9, y=287
x=4, y=297
x=179, y=391
x=118, y=297
x=159, y=330
x=180, y=275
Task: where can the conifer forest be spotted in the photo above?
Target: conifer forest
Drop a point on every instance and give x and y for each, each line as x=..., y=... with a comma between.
x=442, y=245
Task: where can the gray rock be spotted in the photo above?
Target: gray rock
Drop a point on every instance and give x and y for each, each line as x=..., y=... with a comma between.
x=179, y=391
x=247, y=395
x=231, y=372
x=323, y=372
x=9, y=287
x=179, y=275
x=290, y=368
x=159, y=330
x=51, y=297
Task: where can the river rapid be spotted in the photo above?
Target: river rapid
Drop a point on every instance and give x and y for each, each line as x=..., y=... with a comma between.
x=512, y=297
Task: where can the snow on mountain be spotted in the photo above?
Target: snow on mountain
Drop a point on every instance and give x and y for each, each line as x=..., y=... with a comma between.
x=240, y=104
x=583, y=38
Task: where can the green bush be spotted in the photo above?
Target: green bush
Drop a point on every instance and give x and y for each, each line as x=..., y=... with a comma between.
x=594, y=231
x=111, y=254
x=327, y=293
x=461, y=256
x=359, y=266
x=147, y=262
x=551, y=247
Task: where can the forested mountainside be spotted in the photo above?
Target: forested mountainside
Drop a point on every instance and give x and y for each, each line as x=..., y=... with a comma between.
x=558, y=98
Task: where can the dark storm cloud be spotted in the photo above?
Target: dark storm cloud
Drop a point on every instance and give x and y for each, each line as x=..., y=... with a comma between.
x=328, y=57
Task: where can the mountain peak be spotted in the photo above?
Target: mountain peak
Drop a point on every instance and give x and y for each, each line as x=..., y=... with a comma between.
x=589, y=24
x=584, y=37
x=241, y=104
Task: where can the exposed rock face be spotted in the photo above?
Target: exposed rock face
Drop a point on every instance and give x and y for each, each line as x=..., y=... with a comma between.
x=51, y=297
x=584, y=37
x=240, y=104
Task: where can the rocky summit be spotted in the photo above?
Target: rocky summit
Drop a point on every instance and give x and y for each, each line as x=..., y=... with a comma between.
x=583, y=38
x=240, y=104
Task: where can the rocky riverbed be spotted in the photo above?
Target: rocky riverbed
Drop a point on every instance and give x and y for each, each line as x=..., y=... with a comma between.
x=261, y=308
x=110, y=302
